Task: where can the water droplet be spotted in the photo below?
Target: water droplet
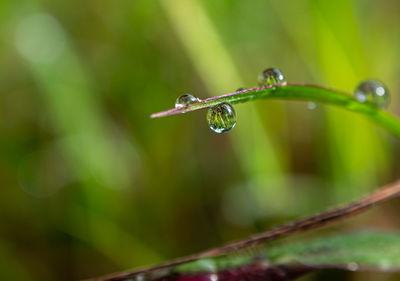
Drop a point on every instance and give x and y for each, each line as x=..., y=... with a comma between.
x=240, y=89
x=271, y=76
x=372, y=91
x=213, y=277
x=221, y=117
x=139, y=277
x=352, y=266
x=312, y=105
x=185, y=100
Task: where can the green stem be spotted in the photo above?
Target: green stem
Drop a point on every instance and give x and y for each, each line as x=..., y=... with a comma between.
x=306, y=92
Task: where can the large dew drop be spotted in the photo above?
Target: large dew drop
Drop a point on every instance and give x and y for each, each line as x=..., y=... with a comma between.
x=372, y=91
x=271, y=76
x=221, y=118
x=185, y=100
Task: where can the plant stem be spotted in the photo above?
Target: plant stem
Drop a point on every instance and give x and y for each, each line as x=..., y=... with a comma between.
x=307, y=92
x=381, y=195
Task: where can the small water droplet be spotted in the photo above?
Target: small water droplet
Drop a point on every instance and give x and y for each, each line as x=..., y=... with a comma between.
x=271, y=76
x=139, y=277
x=372, y=91
x=312, y=105
x=221, y=117
x=240, y=89
x=185, y=100
x=352, y=266
x=213, y=277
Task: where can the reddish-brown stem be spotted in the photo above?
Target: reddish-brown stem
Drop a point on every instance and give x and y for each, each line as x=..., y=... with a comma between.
x=381, y=195
x=236, y=96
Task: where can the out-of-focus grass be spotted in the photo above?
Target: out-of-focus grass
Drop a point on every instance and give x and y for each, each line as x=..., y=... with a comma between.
x=259, y=157
x=349, y=161
x=91, y=185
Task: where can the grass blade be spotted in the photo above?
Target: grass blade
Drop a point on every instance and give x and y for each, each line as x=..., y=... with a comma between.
x=375, y=251
x=297, y=92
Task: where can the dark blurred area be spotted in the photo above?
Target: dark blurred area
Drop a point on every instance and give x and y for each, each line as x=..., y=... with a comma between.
x=91, y=185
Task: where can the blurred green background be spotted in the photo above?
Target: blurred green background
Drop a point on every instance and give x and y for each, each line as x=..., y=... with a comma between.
x=91, y=185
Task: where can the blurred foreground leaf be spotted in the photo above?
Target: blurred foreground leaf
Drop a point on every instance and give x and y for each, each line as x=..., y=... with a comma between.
x=364, y=251
x=375, y=251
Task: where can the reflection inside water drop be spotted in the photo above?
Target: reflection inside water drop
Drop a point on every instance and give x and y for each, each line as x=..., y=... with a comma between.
x=185, y=100
x=372, y=91
x=271, y=76
x=221, y=118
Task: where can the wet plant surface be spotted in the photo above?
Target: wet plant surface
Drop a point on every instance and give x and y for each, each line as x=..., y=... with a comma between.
x=91, y=185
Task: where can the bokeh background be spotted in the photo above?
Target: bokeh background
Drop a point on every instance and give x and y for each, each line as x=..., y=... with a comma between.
x=91, y=185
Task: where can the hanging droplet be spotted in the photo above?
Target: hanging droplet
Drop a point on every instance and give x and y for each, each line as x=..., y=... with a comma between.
x=221, y=117
x=240, y=89
x=372, y=91
x=185, y=100
x=271, y=76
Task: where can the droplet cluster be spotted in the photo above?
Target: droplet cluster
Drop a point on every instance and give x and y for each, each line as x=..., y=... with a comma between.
x=222, y=117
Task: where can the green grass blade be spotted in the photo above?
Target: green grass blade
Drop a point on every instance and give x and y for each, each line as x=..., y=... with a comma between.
x=363, y=251
x=359, y=251
x=298, y=92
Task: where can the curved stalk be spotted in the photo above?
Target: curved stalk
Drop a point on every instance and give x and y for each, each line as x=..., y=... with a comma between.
x=307, y=92
x=326, y=218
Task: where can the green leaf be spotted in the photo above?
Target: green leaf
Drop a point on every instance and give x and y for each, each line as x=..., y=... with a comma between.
x=360, y=251
x=297, y=92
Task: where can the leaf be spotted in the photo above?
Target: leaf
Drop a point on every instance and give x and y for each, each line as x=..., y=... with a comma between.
x=360, y=251
x=297, y=92
x=354, y=252
x=372, y=251
x=365, y=251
